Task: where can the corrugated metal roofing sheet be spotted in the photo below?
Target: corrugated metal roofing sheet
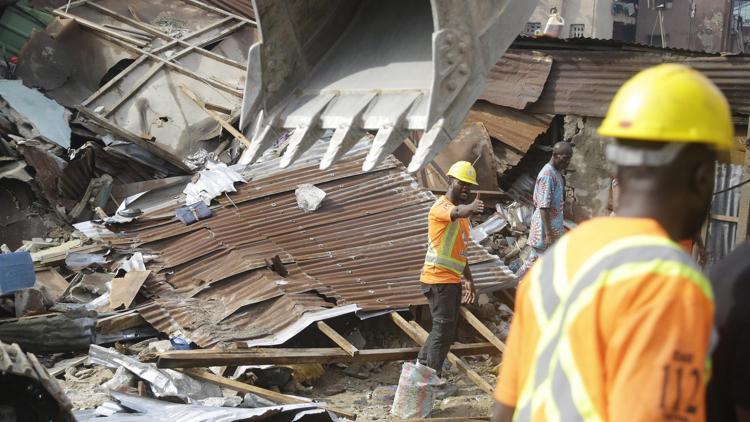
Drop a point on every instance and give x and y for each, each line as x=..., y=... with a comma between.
x=517, y=79
x=586, y=73
x=584, y=82
x=365, y=246
x=515, y=128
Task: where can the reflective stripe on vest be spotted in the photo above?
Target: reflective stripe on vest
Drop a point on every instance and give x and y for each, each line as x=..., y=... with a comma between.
x=442, y=257
x=554, y=385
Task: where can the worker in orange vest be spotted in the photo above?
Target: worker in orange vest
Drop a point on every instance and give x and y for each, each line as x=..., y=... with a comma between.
x=614, y=322
x=446, y=262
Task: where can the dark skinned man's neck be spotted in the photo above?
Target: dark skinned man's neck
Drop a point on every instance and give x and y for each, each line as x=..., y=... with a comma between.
x=638, y=206
x=453, y=196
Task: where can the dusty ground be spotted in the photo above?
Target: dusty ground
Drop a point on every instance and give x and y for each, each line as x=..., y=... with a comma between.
x=371, y=399
x=364, y=389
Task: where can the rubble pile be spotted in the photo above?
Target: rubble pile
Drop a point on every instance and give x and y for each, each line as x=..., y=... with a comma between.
x=155, y=278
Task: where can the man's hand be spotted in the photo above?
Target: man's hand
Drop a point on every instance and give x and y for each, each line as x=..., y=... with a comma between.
x=470, y=293
x=477, y=207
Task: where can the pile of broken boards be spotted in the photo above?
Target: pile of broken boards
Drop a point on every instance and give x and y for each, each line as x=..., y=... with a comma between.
x=271, y=256
x=138, y=391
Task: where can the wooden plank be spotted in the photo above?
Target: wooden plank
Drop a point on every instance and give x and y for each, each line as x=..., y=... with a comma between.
x=489, y=193
x=120, y=322
x=220, y=11
x=183, y=41
x=337, y=338
x=113, y=81
x=73, y=5
x=135, y=32
x=124, y=289
x=132, y=137
x=176, y=67
x=725, y=218
x=100, y=28
x=262, y=392
x=213, y=357
x=62, y=366
x=481, y=328
x=744, y=213
x=228, y=127
x=419, y=335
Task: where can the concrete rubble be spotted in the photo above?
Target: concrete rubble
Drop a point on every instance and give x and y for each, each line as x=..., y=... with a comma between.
x=157, y=278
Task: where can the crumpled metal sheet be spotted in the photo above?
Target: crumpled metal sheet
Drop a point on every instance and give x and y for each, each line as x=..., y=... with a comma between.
x=216, y=179
x=163, y=382
x=514, y=128
x=160, y=411
x=35, y=114
x=517, y=79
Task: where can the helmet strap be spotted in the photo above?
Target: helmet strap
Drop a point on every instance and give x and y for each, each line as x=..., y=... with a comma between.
x=630, y=156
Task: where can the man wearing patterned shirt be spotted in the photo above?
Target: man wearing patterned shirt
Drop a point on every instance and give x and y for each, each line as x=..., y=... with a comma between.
x=549, y=197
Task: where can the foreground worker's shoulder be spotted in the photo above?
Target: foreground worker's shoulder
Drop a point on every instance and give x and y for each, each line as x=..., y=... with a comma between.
x=657, y=350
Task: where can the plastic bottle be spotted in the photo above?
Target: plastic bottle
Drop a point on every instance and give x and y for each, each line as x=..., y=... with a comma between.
x=555, y=24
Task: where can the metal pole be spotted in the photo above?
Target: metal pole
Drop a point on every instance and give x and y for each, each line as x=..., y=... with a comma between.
x=661, y=29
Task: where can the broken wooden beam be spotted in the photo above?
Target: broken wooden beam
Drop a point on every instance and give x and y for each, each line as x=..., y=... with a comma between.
x=262, y=392
x=337, y=338
x=214, y=115
x=419, y=335
x=481, y=328
x=211, y=357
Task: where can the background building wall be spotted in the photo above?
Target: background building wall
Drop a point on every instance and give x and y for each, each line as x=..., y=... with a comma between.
x=595, y=15
x=689, y=24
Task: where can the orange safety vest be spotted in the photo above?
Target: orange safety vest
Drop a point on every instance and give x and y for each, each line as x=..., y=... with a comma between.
x=446, y=247
x=612, y=324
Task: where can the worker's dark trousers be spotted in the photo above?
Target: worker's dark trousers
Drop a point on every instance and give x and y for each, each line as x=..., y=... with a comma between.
x=444, y=299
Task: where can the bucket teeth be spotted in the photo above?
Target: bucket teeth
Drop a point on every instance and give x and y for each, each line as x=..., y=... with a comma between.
x=345, y=114
x=260, y=143
x=343, y=139
x=430, y=145
x=385, y=67
x=300, y=141
x=385, y=142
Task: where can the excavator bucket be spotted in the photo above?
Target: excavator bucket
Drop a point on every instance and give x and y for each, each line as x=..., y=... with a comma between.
x=383, y=66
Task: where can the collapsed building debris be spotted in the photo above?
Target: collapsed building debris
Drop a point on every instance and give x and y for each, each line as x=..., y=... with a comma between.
x=143, y=53
x=27, y=391
x=361, y=251
x=173, y=240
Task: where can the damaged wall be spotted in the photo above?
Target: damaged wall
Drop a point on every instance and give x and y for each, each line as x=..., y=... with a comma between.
x=589, y=173
x=596, y=16
x=693, y=25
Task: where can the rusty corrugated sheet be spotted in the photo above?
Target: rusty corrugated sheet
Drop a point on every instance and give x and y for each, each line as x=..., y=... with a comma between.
x=201, y=319
x=517, y=79
x=365, y=246
x=586, y=73
x=512, y=127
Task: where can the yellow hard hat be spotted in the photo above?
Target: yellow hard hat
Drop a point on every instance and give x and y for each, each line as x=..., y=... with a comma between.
x=670, y=103
x=463, y=171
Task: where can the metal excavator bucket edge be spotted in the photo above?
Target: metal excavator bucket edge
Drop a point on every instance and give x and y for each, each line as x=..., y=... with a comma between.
x=383, y=66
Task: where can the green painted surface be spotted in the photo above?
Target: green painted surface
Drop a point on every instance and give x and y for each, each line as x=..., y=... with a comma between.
x=17, y=24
